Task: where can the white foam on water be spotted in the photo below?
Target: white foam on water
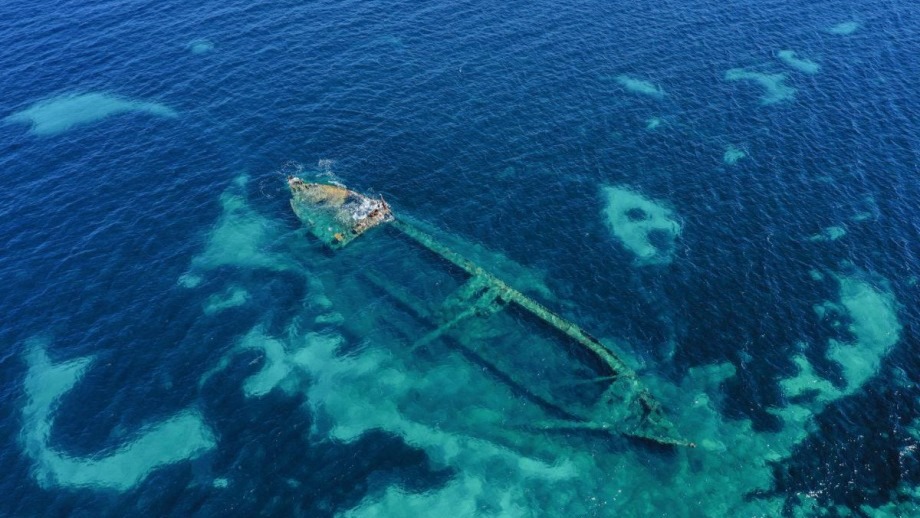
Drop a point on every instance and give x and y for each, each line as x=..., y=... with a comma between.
x=181, y=437
x=633, y=218
x=325, y=165
x=640, y=86
x=844, y=28
x=774, y=85
x=733, y=154
x=802, y=65
x=64, y=112
x=652, y=123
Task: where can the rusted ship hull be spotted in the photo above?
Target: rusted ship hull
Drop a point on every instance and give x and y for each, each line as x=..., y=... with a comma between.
x=335, y=214
x=615, y=402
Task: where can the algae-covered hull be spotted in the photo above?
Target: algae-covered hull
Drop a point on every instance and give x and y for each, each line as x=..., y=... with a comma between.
x=334, y=214
x=455, y=302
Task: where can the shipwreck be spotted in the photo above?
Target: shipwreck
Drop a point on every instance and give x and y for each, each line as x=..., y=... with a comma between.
x=464, y=307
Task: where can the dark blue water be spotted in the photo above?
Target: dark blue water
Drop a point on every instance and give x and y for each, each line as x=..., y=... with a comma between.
x=501, y=124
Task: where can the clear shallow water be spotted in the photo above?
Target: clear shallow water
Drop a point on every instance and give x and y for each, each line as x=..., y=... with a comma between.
x=203, y=358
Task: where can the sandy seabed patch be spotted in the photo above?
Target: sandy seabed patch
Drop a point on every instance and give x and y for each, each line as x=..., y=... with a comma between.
x=67, y=111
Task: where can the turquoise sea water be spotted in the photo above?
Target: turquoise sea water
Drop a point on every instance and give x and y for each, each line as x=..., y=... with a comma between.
x=725, y=194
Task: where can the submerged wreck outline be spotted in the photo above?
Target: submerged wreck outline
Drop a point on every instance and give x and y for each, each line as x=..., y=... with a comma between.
x=337, y=215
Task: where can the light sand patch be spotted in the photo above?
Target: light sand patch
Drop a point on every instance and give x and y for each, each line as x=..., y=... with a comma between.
x=468, y=422
x=874, y=325
x=274, y=369
x=453, y=412
x=200, y=46
x=463, y=497
x=905, y=504
x=232, y=297
x=733, y=154
x=774, y=85
x=831, y=233
x=241, y=238
x=278, y=357
x=870, y=314
x=374, y=390
x=802, y=65
x=189, y=280
x=640, y=86
x=275, y=363
x=67, y=111
x=634, y=219
x=807, y=381
x=732, y=459
x=844, y=28
x=181, y=437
